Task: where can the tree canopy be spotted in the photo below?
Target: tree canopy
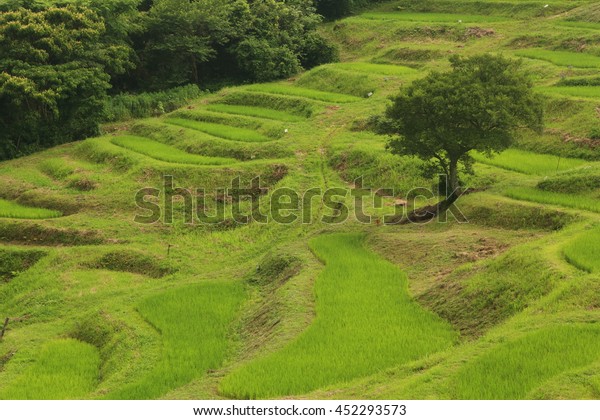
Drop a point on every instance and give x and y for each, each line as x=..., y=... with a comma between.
x=479, y=104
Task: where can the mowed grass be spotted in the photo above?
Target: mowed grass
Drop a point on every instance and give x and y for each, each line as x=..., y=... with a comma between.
x=288, y=90
x=584, y=251
x=383, y=69
x=194, y=323
x=366, y=321
x=513, y=370
x=65, y=369
x=562, y=58
x=529, y=162
x=558, y=199
x=220, y=130
x=166, y=153
x=252, y=111
x=431, y=17
x=9, y=209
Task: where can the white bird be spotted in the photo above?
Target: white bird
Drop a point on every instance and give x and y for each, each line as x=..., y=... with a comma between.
x=546, y=6
x=370, y=94
x=459, y=20
x=286, y=131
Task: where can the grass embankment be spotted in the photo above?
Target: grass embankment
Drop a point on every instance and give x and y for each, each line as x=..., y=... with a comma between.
x=166, y=153
x=562, y=58
x=65, y=369
x=366, y=321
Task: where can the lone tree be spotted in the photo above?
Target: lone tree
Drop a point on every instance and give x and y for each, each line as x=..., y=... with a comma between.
x=478, y=105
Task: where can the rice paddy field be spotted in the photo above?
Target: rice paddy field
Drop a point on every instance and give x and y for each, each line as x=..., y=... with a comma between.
x=498, y=301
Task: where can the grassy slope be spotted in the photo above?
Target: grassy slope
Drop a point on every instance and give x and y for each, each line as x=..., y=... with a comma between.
x=506, y=300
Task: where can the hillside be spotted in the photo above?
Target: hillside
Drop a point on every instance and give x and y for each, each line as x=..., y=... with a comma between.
x=340, y=310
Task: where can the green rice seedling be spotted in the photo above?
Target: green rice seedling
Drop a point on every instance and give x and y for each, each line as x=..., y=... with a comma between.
x=194, y=323
x=64, y=369
x=584, y=251
x=561, y=58
x=252, y=111
x=512, y=370
x=296, y=106
x=558, y=199
x=431, y=17
x=166, y=153
x=9, y=209
x=220, y=130
x=529, y=162
x=289, y=90
x=577, y=91
x=366, y=321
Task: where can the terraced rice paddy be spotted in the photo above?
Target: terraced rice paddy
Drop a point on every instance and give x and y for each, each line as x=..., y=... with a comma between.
x=290, y=90
x=253, y=111
x=64, y=369
x=584, y=251
x=366, y=321
x=383, y=69
x=9, y=209
x=166, y=153
x=220, y=130
x=432, y=17
x=562, y=58
x=558, y=199
x=194, y=324
x=577, y=91
x=529, y=163
x=513, y=370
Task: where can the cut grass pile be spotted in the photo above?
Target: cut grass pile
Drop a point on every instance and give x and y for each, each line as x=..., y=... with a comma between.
x=584, y=251
x=513, y=370
x=366, y=321
x=431, y=17
x=529, y=162
x=562, y=58
x=9, y=209
x=318, y=95
x=65, y=369
x=194, y=323
x=166, y=153
x=252, y=111
x=383, y=69
x=220, y=130
x=557, y=199
x=577, y=91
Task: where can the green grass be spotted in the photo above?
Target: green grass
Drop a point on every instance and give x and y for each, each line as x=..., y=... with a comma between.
x=577, y=91
x=561, y=58
x=220, y=130
x=366, y=321
x=529, y=162
x=252, y=111
x=166, y=153
x=194, y=323
x=383, y=69
x=13, y=210
x=555, y=198
x=64, y=369
x=513, y=370
x=431, y=17
x=584, y=251
x=295, y=91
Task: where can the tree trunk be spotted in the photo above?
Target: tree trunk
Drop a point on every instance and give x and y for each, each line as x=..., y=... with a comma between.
x=453, y=186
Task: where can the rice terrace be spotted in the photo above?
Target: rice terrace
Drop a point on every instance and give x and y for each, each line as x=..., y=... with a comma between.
x=373, y=200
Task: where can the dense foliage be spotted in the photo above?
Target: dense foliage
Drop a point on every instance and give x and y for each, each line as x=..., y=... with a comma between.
x=58, y=63
x=477, y=105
